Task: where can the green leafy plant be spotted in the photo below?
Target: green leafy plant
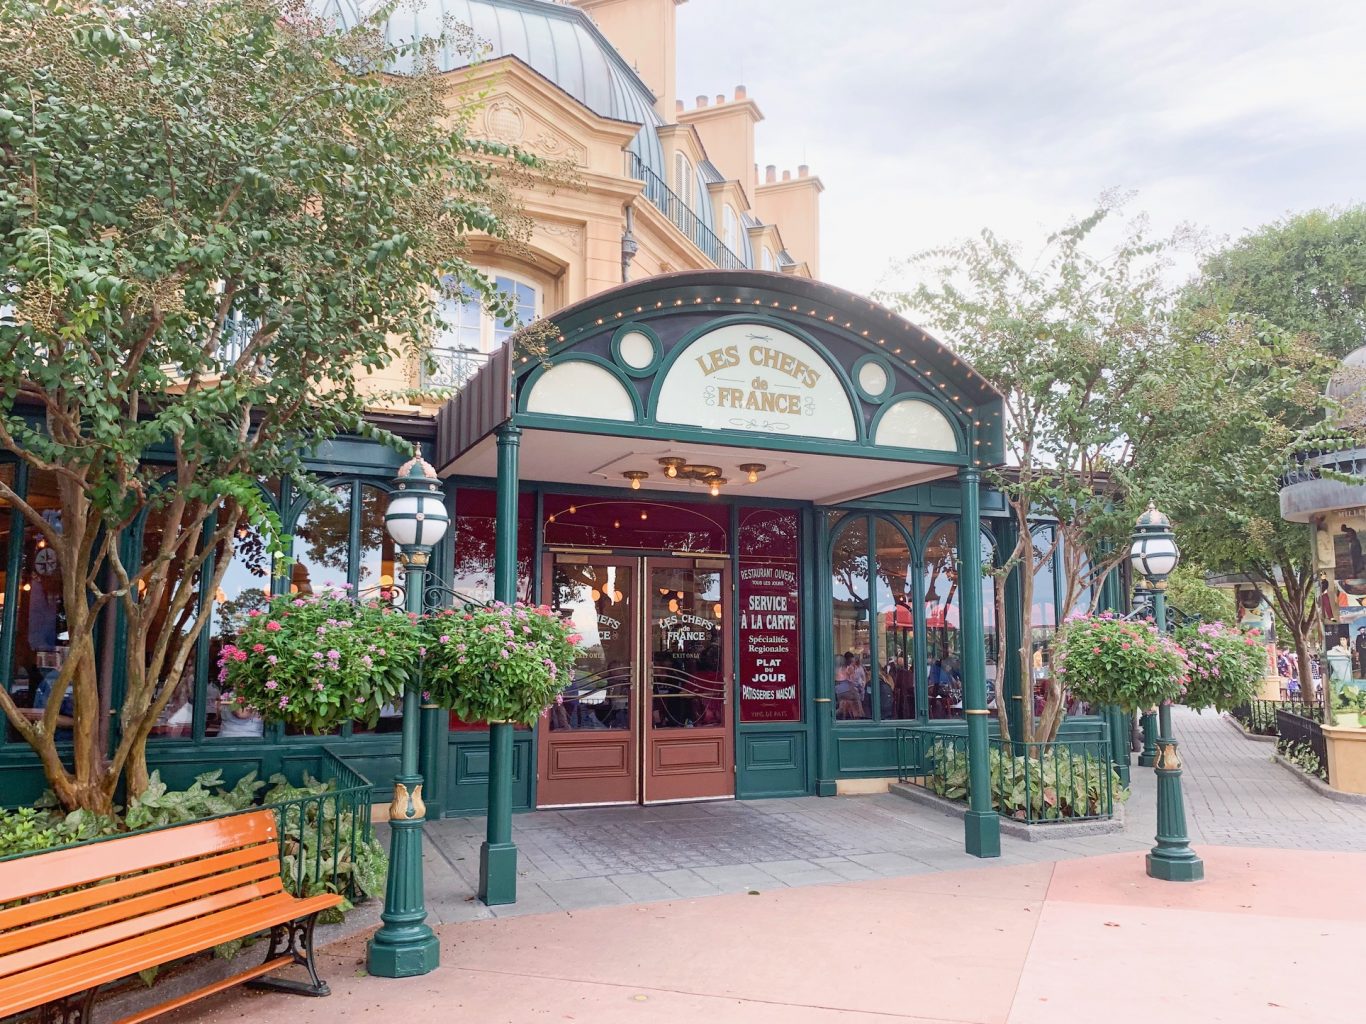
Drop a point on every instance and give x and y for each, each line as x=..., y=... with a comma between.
x=502, y=663
x=316, y=661
x=1225, y=666
x=1034, y=788
x=1102, y=659
x=26, y=829
x=1302, y=756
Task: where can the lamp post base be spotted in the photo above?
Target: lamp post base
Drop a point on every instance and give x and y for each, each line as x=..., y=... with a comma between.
x=407, y=959
x=1172, y=859
x=982, y=833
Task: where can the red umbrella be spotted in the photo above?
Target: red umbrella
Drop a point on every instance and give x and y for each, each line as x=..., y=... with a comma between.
x=939, y=615
x=900, y=617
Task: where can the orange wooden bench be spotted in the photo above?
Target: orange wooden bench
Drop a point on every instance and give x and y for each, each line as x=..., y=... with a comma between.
x=76, y=919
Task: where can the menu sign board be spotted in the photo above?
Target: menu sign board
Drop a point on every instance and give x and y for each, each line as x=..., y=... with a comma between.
x=770, y=618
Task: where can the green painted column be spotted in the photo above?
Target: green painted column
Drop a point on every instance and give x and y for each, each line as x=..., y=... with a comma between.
x=1119, y=742
x=1172, y=859
x=1016, y=616
x=982, y=826
x=433, y=729
x=823, y=704
x=405, y=945
x=498, y=854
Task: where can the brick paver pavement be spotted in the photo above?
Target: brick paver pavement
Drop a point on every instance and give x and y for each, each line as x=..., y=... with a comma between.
x=1235, y=795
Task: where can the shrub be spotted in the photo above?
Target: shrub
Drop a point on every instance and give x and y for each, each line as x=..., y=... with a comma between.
x=1226, y=665
x=1105, y=660
x=501, y=663
x=1034, y=788
x=315, y=662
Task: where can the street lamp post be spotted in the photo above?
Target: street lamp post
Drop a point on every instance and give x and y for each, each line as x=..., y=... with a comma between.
x=405, y=945
x=1154, y=556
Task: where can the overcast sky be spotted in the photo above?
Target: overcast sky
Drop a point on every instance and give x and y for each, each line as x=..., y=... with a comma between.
x=930, y=119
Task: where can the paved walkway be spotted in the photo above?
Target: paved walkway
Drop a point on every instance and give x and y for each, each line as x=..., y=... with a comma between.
x=568, y=860
x=1079, y=940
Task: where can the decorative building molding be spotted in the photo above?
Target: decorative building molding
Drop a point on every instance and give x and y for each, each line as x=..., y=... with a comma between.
x=507, y=121
x=572, y=234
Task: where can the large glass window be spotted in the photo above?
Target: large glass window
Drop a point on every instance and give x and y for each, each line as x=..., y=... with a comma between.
x=245, y=587
x=849, y=619
x=1043, y=617
x=895, y=620
x=38, y=619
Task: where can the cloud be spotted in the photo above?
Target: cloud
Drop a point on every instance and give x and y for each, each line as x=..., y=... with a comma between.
x=930, y=119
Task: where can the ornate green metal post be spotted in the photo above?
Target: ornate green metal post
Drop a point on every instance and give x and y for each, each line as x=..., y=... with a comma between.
x=1119, y=743
x=433, y=736
x=982, y=826
x=405, y=945
x=1148, y=756
x=1154, y=555
x=498, y=854
x=1172, y=859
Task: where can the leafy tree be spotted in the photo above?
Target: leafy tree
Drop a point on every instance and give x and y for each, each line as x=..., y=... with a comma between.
x=1072, y=339
x=1272, y=314
x=211, y=214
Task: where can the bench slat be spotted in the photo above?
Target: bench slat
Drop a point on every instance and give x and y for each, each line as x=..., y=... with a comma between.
x=52, y=981
x=147, y=924
x=134, y=885
x=89, y=922
x=84, y=865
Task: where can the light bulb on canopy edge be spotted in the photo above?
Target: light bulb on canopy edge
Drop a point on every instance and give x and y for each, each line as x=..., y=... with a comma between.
x=752, y=470
x=717, y=482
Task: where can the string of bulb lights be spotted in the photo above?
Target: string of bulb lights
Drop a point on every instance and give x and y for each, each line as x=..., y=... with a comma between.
x=675, y=468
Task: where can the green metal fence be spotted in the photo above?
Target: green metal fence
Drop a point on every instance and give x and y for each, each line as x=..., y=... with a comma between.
x=1037, y=783
x=1259, y=716
x=326, y=839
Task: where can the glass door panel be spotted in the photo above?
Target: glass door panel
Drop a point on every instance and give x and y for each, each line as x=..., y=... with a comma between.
x=688, y=735
x=588, y=750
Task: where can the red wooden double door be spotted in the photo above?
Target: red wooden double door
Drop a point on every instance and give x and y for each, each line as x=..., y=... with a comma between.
x=647, y=717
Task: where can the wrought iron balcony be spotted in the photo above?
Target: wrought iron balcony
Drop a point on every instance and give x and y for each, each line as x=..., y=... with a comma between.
x=453, y=367
x=672, y=206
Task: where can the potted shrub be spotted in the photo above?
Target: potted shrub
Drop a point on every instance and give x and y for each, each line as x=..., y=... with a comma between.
x=499, y=663
x=316, y=661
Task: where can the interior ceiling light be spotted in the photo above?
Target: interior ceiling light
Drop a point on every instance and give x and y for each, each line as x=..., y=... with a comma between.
x=752, y=469
x=717, y=482
x=636, y=476
x=672, y=465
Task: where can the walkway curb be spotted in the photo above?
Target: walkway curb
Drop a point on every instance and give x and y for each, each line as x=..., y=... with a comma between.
x=1254, y=736
x=1009, y=826
x=1319, y=786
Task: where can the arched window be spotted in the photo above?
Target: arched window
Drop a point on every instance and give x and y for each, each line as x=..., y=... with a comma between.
x=767, y=259
x=343, y=542
x=730, y=229
x=943, y=627
x=470, y=332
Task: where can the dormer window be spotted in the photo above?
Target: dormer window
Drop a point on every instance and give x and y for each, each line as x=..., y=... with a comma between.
x=683, y=179
x=730, y=230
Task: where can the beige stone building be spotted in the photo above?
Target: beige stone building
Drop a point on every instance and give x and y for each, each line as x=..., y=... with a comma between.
x=668, y=185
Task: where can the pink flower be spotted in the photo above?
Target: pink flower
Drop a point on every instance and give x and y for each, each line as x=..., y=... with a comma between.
x=273, y=626
x=284, y=702
x=444, y=638
x=271, y=684
x=575, y=638
x=1125, y=645
x=258, y=648
x=272, y=658
x=254, y=613
x=239, y=655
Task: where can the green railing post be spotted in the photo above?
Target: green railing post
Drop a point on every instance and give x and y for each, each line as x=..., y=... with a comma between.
x=498, y=854
x=1172, y=859
x=981, y=825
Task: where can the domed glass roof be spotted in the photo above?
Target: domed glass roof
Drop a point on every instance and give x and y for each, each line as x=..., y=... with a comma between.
x=559, y=42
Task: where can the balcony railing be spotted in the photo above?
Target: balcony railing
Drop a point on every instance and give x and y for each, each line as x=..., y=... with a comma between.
x=452, y=367
x=672, y=206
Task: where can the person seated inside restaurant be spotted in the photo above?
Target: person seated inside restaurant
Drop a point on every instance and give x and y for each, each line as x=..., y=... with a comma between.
x=850, y=683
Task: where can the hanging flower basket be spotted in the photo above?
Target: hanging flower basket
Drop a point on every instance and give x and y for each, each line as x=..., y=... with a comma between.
x=502, y=663
x=1226, y=666
x=1102, y=659
x=316, y=661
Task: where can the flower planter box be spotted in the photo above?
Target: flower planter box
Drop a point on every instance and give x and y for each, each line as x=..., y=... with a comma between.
x=1346, y=758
